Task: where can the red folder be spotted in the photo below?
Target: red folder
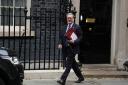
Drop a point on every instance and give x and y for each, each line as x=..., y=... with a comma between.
x=70, y=34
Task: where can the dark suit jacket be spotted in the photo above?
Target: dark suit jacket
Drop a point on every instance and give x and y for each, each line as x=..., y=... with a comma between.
x=63, y=40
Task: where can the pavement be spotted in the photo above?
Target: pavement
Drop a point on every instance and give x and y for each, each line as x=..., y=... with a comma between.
x=110, y=81
x=89, y=71
x=103, y=74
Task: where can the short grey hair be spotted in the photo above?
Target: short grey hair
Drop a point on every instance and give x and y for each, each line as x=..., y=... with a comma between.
x=70, y=14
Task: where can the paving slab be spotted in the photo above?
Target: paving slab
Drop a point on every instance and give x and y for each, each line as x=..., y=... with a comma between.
x=53, y=82
x=89, y=81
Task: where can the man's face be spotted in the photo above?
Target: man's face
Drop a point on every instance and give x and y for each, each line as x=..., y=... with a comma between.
x=70, y=19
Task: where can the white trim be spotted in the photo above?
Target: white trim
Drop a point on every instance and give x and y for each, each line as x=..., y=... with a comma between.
x=76, y=4
x=115, y=30
x=28, y=14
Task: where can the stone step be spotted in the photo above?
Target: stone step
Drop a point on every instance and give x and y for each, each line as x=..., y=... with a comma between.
x=98, y=67
x=102, y=71
x=105, y=74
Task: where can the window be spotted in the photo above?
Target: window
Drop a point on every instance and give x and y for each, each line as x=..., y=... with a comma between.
x=12, y=16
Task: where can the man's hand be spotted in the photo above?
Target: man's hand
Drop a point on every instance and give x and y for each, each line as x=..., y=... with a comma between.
x=59, y=46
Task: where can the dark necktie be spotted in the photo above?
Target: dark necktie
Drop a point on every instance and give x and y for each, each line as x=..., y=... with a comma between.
x=69, y=26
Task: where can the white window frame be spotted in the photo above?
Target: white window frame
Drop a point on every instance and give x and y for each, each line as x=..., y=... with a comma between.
x=11, y=27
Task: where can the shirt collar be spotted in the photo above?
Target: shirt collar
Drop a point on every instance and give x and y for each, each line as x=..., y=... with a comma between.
x=71, y=24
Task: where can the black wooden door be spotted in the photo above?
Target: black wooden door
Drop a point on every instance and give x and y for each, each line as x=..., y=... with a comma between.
x=95, y=21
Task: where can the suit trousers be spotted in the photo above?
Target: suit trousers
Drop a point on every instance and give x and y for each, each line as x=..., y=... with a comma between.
x=70, y=64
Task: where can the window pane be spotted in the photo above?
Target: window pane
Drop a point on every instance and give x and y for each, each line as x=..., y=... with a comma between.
x=6, y=2
x=19, y=17
x=7, y=16
x=20, y=3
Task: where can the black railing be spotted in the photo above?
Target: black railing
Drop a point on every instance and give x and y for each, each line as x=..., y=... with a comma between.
x=34, y=37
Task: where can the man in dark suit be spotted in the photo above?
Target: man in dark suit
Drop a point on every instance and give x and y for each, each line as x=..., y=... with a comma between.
x=69, y=42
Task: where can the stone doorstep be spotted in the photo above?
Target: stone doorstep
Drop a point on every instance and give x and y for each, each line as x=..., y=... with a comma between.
x=105, y=74
x=103, y=71
x=98, y=67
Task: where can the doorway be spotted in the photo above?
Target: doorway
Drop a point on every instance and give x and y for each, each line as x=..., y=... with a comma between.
x=95, y=21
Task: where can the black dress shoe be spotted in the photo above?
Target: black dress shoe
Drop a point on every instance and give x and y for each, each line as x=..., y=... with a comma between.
x=79, y=80
x=61, y=82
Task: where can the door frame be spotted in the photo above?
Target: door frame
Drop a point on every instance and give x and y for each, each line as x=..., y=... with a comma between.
x=115, y=30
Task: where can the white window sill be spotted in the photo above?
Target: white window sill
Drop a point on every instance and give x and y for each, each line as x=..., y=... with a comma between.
x=17, y=34
x=16, y=31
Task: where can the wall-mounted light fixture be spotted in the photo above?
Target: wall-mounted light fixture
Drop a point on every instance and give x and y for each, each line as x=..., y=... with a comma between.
x=81, y=17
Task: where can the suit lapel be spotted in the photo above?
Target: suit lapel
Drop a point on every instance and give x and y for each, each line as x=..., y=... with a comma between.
x=73, y=26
